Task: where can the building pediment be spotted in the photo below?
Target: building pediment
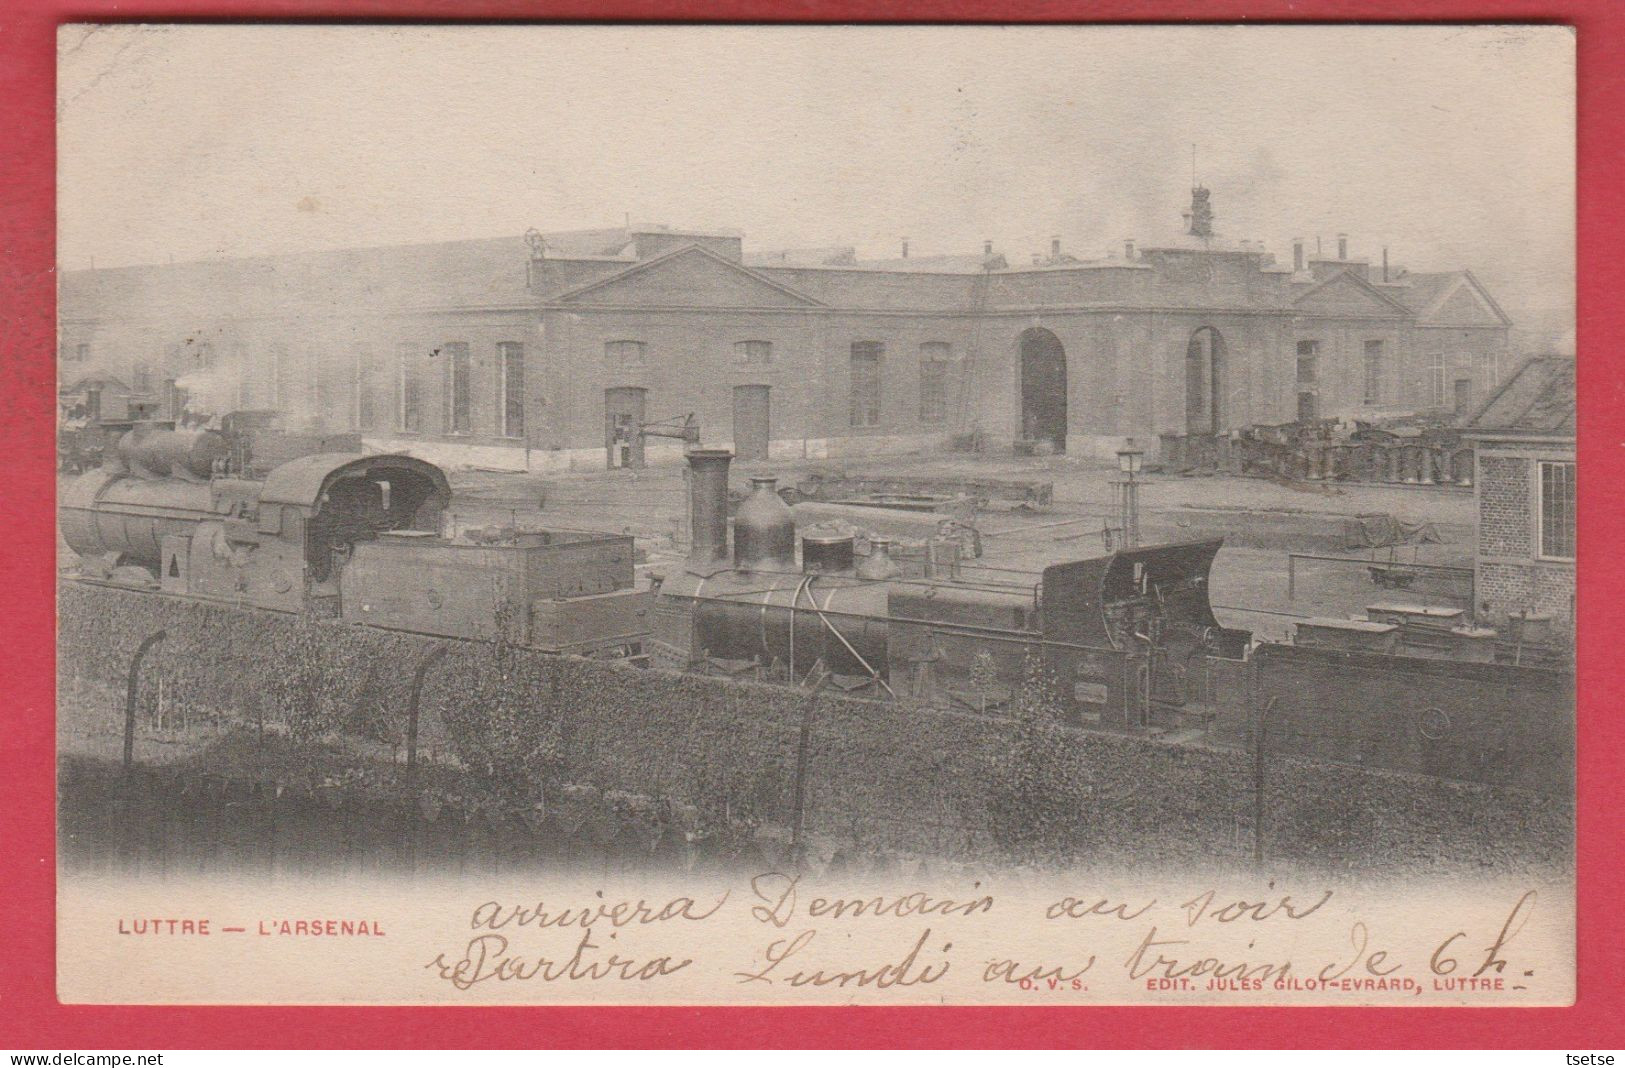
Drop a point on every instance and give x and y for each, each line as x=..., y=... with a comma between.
x=1347, y=294
x=690, y=277
x=1463, y=303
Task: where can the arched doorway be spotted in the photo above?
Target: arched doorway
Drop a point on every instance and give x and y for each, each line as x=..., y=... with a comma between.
x=1043, y=388
x=1204, y=382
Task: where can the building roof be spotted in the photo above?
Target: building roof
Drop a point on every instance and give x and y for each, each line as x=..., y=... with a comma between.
x=1426, y=293
x=484, y=272
x=951, y=264
x=503, y=273
x=803, y=257
x=589, y=244
x=1537, y=401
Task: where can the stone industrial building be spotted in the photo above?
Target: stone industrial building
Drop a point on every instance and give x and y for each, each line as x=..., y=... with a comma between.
x=1524, y=442
x=549, y=351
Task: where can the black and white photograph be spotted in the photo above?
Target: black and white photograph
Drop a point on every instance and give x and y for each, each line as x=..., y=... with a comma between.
x=643, y=514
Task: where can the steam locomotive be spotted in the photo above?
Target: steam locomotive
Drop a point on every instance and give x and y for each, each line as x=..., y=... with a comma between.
x=257, y=519
x=1122, y=635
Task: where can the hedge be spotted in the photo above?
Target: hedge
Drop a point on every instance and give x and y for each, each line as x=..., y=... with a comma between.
x=880, y=777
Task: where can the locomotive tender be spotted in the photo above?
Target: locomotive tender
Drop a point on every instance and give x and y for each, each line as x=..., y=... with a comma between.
x=339, y=534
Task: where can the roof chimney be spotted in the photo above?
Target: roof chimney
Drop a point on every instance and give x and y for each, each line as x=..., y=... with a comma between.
x=1055, y=248
x=1342, y=246
x=1385, y=263
x=1297, y=253
x=1128, y=249
x=905, y=248
x=987, y=248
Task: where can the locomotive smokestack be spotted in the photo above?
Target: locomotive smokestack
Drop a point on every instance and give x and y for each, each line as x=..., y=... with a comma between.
x=708, y=508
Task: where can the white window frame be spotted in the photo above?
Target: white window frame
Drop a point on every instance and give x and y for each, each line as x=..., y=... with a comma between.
x=403, y=368
x=1436, y=375
x=503, y=428
x=453, y=350
x=1540, y=509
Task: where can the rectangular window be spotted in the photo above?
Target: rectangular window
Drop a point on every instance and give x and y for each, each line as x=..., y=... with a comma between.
x=457, y=375
x=866, y=356
x=753, y=352
x=363, y=386
x=1308, y=362
x=511, y=388
x=624, y=353
x=1436, y=368
x=1373, y=372
x=313, y=383
x=934, y=356
x=1556, y=510
x=281, y=377
x=411, y=398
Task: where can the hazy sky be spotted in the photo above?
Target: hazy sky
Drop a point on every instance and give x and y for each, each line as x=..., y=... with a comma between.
x=1454, y=146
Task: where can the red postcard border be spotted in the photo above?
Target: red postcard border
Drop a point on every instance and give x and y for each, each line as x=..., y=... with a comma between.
x=29, y=1013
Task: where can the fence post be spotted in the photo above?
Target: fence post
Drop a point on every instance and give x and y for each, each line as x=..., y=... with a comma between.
x=1260, y=734
x=803, y=751
x=424, y=665
x=130, y=697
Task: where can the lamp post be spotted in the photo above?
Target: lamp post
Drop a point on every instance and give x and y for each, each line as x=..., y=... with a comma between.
x=1129, y=462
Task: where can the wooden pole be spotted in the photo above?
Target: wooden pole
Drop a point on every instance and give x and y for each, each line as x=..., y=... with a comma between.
x=424, y=665
x=130, y=697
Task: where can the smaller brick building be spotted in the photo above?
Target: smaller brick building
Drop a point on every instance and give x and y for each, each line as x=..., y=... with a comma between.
x=1525, y=482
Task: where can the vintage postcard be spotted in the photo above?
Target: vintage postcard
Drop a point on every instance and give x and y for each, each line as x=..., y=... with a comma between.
x=816, y=515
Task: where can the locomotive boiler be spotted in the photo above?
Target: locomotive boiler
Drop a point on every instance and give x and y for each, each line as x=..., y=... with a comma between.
x=341, y=534
x=1120, y=634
